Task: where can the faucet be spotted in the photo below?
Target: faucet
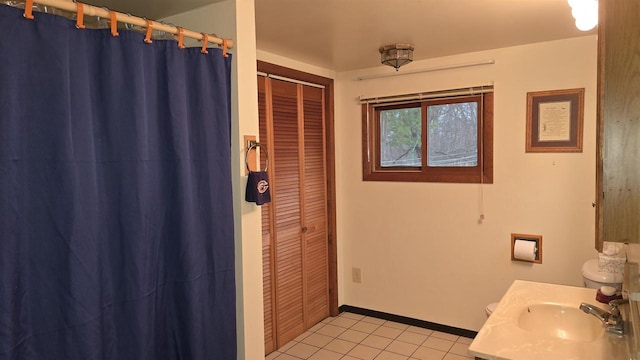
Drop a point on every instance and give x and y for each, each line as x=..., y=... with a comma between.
x=603, y=315
x=611, y=319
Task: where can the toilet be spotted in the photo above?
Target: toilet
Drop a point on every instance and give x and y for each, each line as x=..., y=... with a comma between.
x=595, y=279
x=490, y=308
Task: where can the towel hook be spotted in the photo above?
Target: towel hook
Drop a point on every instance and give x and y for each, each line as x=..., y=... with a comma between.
x=252, y=144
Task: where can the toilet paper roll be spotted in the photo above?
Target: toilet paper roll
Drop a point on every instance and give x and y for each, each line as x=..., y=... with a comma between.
x=524, y=250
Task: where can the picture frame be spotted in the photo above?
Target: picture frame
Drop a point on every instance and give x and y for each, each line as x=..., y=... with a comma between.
x=555, y=120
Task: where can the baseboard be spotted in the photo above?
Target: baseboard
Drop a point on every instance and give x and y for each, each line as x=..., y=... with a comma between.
x=409, y=321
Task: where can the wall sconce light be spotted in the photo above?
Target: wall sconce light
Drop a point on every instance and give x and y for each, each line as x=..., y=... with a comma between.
x=396, y=55
x=585, y=12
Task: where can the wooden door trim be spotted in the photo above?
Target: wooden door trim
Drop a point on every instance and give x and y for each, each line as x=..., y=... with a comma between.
x=272, y=219
x=330, y=169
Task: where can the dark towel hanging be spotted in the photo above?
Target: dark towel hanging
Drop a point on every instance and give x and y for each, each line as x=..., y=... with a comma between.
x=257, y=181
x=258, y=188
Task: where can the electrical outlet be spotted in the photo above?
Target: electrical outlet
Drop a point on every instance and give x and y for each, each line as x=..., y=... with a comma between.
x=356, y=275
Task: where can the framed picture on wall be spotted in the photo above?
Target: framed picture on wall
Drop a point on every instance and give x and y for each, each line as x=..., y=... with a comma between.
x=555, y=120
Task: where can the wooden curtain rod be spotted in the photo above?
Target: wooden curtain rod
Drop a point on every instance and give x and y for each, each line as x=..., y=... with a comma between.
x=91, y=10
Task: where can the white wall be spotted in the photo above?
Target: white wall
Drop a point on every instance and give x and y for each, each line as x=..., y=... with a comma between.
x=235, y=19
x=422, y=251
x=294, y=64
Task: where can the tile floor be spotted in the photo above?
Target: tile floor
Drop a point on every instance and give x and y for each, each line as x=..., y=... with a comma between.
x=356, y=337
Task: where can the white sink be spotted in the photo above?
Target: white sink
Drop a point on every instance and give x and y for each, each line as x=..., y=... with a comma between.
x=560, y=321
x=536, y=321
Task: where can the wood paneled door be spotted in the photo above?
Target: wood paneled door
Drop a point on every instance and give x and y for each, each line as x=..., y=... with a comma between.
x=298, y=249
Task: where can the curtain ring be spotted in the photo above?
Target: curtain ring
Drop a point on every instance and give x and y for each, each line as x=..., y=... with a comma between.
x=113, y=21
x=80, y=15
x=180, y=37
x=147, y=37
x=129, y=26
x=224, y=48
x=254, y=145
x=205, y=39
x=28, y=10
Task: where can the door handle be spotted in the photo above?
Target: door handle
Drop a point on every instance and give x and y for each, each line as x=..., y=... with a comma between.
x=304, y=229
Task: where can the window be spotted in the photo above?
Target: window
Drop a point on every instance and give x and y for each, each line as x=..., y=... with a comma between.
x=442, y=139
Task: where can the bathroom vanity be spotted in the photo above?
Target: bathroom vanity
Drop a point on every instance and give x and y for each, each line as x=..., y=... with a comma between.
x=536, y=321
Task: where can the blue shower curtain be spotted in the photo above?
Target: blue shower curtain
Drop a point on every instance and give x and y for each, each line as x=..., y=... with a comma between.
x=116, y=228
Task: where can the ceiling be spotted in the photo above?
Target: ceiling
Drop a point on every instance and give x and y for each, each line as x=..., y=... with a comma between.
x=344, y=35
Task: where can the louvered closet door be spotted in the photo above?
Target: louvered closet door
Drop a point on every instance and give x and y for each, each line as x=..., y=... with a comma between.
x=286, y=185
x=314, y=200
x=295, y=246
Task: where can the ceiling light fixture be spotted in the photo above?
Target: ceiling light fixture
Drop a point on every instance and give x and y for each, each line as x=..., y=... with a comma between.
x=396, y=55
x=585, y=12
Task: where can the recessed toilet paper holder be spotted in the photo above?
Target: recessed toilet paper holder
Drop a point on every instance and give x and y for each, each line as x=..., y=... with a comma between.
x=520, y=242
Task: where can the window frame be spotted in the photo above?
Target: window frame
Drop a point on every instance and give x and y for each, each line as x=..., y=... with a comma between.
x=481, y=173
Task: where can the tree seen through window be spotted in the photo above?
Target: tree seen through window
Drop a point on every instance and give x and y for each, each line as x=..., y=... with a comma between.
x=452, y=136
x=401, y=137
x=437, y=139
